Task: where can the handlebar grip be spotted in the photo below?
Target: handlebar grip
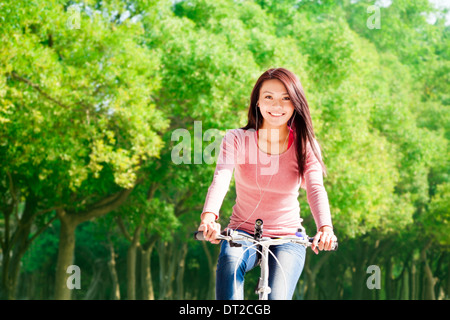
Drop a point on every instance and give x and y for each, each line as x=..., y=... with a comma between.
x=335, y=247
x=198, y=235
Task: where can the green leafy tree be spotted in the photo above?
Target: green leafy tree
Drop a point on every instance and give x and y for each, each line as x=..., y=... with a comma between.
x=78, y=117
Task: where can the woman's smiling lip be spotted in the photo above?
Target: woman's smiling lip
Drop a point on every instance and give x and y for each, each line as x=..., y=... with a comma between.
x=276, y=115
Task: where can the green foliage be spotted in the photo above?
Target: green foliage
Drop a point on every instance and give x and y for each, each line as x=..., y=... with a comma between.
x=436, y=220
x=155, y=215
x=78, y=115
x=43, y=252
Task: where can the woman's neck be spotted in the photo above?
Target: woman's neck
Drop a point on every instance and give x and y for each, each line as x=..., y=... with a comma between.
x=273, y=134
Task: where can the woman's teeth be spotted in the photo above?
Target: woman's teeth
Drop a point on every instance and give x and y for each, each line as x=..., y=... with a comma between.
x=276, y=114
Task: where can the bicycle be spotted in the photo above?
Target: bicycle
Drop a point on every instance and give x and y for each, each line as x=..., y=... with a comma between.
x=262, y=288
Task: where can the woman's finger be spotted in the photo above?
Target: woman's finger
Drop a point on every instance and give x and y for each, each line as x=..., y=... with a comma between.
x=202, y=227
x=331, y=239
x=324, y=238
x=215, y=232
x=325, y=241
x=209, y=234
x=314, y=245
x=322, y=241
x=212, y=231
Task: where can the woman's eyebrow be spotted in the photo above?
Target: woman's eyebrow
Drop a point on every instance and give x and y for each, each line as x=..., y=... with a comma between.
x=272, y=92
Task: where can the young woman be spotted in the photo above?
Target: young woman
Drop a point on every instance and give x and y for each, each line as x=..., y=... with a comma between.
x=272, y=157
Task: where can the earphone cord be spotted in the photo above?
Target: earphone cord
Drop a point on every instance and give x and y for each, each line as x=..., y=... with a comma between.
x=256, y=171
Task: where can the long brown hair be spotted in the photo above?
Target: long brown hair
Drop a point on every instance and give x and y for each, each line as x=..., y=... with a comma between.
x=302, y=124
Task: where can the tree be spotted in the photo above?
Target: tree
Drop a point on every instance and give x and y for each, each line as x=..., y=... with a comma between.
x=79, y=120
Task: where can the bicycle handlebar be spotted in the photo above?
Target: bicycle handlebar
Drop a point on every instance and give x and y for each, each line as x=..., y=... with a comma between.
x=198, y=235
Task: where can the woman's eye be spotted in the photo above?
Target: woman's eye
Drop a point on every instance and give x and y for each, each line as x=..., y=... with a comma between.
x=285, y=98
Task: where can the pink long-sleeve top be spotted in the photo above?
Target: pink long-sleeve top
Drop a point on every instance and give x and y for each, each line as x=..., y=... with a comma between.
x=267, y=186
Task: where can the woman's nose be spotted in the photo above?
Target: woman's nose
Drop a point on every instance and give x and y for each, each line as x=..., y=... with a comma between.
x=277, y=105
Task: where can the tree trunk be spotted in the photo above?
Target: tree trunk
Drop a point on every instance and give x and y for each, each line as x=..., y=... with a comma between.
x=14, y=247
x=166, y=269
x=404, y=288
x=447, y=291
x=412, y=280
x=69, y=222
x=164, y=280
x=6, y=288
x=311, y=274
x=310, y=281
x=429, y=281
x=65, y=256
x=131, y=264
x=388, y=281
x=93, y=289
x=180, y=272
x=311, y=292
x=212, y=264
x=169, y=255
x=146, y=268
x=359, y=269
x=146, y=274
x=113, y=272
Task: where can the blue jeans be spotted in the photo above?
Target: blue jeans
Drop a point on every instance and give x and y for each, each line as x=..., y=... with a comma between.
x=291, y=256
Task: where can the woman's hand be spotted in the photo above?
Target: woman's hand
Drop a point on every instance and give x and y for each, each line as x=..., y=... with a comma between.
x=326, y=237
x=209, y=227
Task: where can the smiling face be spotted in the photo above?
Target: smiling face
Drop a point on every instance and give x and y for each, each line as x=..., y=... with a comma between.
x=275, y=104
